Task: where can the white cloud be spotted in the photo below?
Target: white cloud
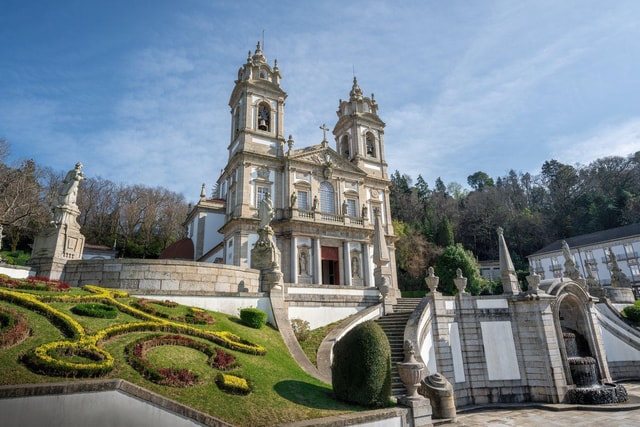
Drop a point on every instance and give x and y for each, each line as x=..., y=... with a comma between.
x=620, y=139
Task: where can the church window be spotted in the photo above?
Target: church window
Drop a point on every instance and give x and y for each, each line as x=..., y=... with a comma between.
x=236, y=121
x=260, y=194
x=303, y=200
x=344, y=147
x=628, y=248
x=264, y=117
x=351, y=207
x=371, y=144
x=327, y=199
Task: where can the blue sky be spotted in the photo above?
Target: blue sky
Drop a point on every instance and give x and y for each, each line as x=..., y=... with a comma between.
x=138, y=90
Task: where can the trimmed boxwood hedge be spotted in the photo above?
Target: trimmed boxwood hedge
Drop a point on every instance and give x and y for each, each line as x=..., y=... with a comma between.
x=95, y=310
x=253, y=317
x=361, y=370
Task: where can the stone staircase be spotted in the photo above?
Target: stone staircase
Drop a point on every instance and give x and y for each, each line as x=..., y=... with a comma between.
x=393, y=326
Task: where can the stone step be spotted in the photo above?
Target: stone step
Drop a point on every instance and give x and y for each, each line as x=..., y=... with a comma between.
x=393, y=325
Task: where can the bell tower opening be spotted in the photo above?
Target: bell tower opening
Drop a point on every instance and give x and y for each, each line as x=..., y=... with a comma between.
x=264, y=117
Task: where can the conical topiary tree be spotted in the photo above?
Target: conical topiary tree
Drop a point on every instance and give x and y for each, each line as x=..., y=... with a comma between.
x=361, y=370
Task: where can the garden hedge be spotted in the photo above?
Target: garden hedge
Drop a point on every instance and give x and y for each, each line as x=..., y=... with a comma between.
x=253, y=317
x=361, y=370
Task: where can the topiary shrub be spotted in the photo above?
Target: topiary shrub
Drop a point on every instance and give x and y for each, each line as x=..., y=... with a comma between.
x=95, y=310
x=361, y=370
x=253, y=317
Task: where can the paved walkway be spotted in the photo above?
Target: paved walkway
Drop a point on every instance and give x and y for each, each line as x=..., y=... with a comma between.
x=557, y=415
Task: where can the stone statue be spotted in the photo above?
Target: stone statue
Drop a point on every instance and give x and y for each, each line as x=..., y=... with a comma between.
x=294, y=199
x=69, y=191
x=314, y=205
x=345, y=208
x=304, y=263
x=618, y=278
x=365, y=211
x=355, y=267
x=266, y=211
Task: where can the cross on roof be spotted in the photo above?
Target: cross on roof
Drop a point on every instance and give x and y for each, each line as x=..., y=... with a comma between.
x=324, y=132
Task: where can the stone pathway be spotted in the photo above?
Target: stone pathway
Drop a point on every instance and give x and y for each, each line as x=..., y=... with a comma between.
x=557, y=415
x=541, y=417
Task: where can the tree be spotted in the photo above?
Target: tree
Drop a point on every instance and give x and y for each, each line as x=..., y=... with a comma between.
x=444, y=233
x=479, y=181
x=413, y=255
x=455, y=257
x=22, y=210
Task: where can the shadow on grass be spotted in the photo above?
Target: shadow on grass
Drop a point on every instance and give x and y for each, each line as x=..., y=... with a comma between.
x=309, y=395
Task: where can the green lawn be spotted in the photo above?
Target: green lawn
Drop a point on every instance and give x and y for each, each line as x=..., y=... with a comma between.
x=282, y=392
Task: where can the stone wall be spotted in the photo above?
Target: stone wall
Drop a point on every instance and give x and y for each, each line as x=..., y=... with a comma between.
x=16, y=271
x=162, y=275
x=106, y=403
x=324, y=304
x=493, y=349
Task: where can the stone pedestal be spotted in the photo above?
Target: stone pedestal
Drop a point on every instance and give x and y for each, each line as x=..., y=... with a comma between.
x=620, y=295
x=265, y=256
x=420, y=411
x=58, y=244
x=265, y=252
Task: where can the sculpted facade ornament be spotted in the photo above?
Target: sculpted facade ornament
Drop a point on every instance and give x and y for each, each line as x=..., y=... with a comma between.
x=263, y=172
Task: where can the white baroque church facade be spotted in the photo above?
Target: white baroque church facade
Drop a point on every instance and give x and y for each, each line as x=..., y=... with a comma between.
x=324, y=198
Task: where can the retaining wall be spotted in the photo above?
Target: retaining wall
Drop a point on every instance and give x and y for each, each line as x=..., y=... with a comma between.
x=162, y=275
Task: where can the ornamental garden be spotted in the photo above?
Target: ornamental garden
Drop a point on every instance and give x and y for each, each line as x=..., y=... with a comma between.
x=234, y=368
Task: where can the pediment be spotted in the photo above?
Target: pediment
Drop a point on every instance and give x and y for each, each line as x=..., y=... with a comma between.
x=323, y=156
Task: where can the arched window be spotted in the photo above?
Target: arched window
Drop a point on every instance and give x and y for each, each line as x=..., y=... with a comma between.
x=264, y=117
x=371, y=144
x=236, y=121
x=327, y=199
x=344, y=147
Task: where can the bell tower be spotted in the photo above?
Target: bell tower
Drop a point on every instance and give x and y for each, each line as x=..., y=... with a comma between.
x=359, y=132
x=257, y=108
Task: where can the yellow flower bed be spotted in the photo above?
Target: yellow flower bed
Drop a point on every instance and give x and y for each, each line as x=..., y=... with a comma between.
x=233, y=384
x=48, y=358
x=70, y=326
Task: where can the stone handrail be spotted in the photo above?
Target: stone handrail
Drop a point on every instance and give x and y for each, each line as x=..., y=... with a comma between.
x=325, y=351
x=419, y=325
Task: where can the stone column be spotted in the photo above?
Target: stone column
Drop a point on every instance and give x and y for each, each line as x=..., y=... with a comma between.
x=347, y=264
x=366, y=265
x=317, y=262
x=294, y=260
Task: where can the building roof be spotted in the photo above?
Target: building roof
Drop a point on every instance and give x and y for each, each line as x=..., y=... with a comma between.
x=182, y=249
x=593, y=238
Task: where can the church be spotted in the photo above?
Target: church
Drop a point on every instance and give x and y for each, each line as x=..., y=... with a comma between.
x=324, y=198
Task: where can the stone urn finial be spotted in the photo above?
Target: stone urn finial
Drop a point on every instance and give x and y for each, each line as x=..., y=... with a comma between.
x=534, y=283
x=461, y=282
x=432, y=280
x=411, y=371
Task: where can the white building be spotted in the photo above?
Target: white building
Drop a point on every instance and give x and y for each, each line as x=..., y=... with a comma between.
x=324, y=198
x=591, y=251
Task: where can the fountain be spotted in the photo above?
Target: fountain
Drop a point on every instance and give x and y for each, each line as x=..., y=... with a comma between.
x=584, y=372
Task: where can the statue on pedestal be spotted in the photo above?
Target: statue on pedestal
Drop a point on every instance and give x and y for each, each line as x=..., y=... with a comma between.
x=69, y=191
x=266, y=213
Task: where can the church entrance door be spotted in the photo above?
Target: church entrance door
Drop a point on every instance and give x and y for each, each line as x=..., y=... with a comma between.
x=330, y=266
